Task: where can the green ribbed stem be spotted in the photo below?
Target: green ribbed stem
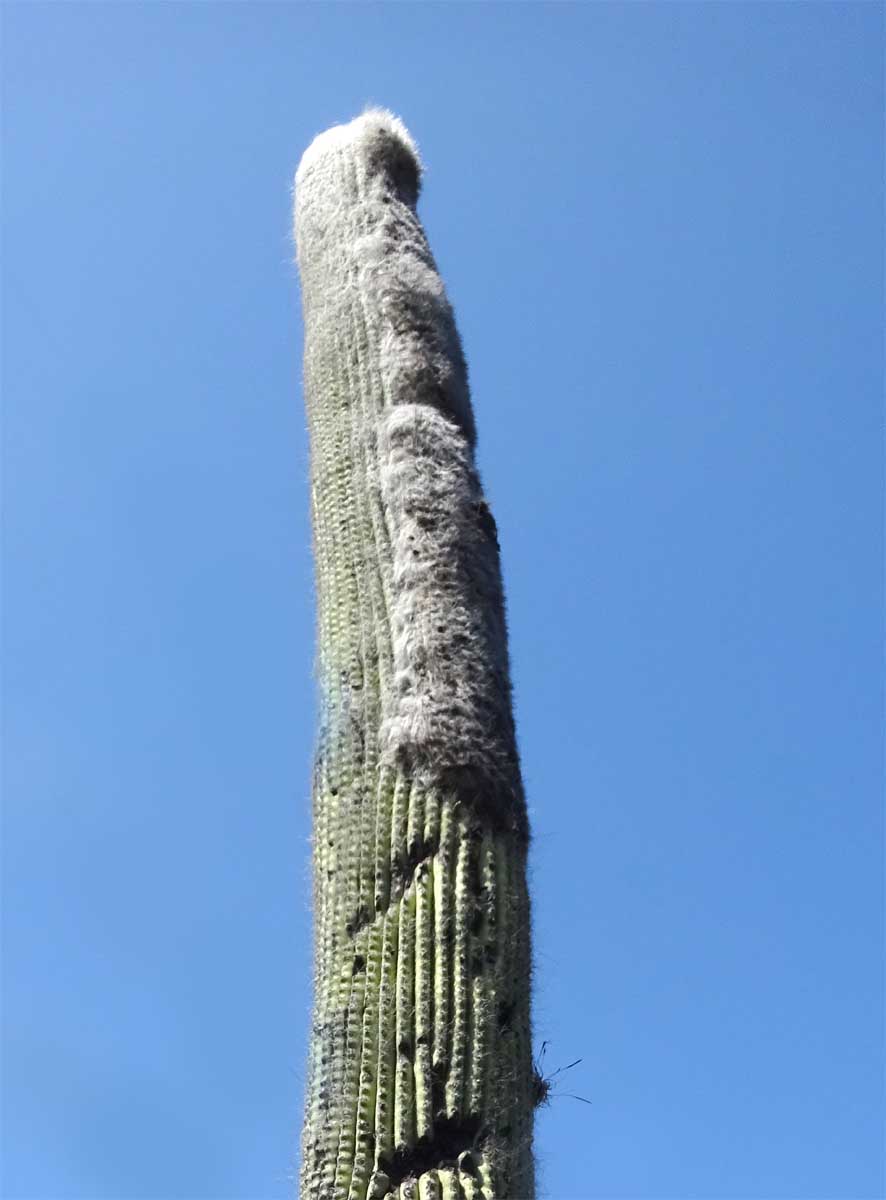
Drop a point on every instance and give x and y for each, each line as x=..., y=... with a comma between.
x=420, y=1077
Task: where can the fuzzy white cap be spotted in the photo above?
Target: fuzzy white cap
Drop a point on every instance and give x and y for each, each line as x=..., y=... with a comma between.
x=376, y=131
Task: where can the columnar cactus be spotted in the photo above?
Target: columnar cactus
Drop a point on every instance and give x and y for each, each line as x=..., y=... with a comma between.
x=420, y=1077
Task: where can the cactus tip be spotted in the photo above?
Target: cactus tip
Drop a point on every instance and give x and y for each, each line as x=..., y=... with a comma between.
x=376, y=130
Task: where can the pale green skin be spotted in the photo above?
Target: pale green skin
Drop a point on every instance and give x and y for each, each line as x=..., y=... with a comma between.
x=420, y=1077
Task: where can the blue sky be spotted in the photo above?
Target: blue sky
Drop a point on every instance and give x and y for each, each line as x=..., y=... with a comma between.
x=660, y=227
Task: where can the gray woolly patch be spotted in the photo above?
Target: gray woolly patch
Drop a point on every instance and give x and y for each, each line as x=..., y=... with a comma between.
x=420, y=352
x=449, y=715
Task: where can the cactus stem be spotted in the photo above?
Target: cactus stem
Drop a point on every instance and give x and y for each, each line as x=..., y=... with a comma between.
x=420, y=1068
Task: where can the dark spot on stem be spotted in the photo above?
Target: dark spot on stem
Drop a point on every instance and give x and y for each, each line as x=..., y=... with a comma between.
x=505, y=1013
x=358, y=921
x=406, y=865
x=450, y=1138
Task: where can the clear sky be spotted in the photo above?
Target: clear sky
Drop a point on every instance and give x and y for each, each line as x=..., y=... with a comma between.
x=660, y=227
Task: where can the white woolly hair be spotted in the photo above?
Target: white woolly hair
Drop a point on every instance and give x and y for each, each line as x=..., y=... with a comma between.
x=376, y=131
x=449, y=713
